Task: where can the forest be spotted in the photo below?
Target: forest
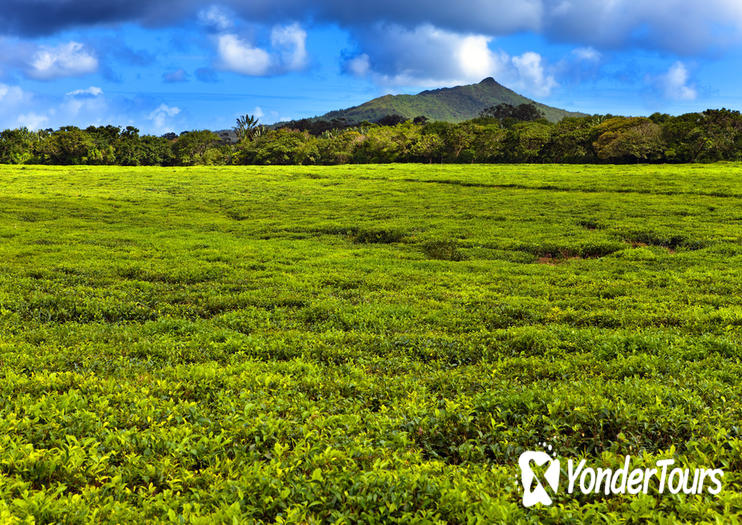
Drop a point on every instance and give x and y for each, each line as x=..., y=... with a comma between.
x=502, y=134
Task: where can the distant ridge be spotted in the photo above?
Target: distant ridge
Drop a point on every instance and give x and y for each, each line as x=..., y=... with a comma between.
x=454, y=104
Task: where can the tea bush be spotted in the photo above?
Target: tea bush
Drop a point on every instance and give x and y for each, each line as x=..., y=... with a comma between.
x=364, y=344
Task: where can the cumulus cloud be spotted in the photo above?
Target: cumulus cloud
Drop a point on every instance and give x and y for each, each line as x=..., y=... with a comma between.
x=580, y=65
x=359, y=65
x=680, y=26
x=586, y=54
x=425, y=55
x=489, y=16
x=65, y=60
x=11, y=95
x=241, y=57
x=531, y=74
x=84, y=107
x=287, y=53
x=683, y=26
x=32, y=121
x=290, y=43
x=13, y=101
x=83, y=102
x=395, y=43
x=161, y=117
x=47, y=62
x=674, y=84
x=432, y=57
x=216, y=18
x=92, y=91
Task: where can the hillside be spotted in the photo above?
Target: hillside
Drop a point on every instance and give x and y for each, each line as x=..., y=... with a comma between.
x=454, y=104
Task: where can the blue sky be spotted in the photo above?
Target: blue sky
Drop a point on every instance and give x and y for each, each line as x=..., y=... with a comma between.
x=180, y=65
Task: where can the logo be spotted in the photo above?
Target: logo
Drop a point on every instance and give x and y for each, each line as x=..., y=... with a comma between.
x=540, y=475
x=534, y=490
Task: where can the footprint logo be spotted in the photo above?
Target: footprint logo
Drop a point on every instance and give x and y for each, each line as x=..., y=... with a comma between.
x=534, y=489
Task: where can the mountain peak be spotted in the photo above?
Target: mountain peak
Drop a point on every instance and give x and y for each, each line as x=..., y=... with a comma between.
x=454, y=104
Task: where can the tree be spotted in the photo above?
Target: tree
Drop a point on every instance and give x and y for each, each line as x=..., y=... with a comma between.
x=426, y=148
x=316, y=127
x=572, y=140
x=457, y=139
x=339, y=148
x=489, y=142
x=69, y=145
x=524, y=141
x=634, y=139
x=129, y=148
x=156, y=151
x=391, y=120
x=16, y=145
x=199, y=147
x=280, y=146
x=248, y=126
x=715, y=134
x=383, y=144
x=508, y=112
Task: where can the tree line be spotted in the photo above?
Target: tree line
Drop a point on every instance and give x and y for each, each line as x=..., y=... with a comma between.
x=500, y=134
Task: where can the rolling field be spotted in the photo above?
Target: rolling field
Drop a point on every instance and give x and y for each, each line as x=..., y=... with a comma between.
x=369, y=344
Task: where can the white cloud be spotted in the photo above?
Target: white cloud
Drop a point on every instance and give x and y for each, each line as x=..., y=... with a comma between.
x=10, y=96
x=35, y=111
x=291, y=44
x=532, y=76
x=432, y=57
x=240, y=57
x=13, y=101
x=32, y=121
x=674, y=84
x=161, y=116
x=87, y=102
x=490, y=17
x=587, y=54
x=288, y=52
x=582, y=64
x=92, y=91
x=359, y=65
x=681, y=26
x=215, y=17
x=258, y=112
x=65, y=60
x=83, y=107
x=476, y=61
x=425, y=55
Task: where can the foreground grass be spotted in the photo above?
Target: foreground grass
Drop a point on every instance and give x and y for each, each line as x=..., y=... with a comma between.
x=371, y=344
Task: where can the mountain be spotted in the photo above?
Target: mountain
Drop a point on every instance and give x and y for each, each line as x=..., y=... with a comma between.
x=454, y=104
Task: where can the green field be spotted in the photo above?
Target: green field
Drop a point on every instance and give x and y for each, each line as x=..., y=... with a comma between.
x=364, y=343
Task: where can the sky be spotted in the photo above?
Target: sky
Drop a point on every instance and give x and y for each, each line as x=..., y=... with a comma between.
x=177, y=65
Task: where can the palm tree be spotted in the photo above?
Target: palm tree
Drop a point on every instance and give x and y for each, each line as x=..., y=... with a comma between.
x=248, y=127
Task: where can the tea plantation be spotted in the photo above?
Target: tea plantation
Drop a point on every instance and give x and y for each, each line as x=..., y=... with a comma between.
x=364, y=344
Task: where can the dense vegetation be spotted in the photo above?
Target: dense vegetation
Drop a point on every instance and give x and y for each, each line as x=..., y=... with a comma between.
x=369, y=344
x=493, y=138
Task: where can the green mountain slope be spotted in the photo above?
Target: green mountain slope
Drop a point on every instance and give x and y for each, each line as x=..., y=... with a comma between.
x=454, y=104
